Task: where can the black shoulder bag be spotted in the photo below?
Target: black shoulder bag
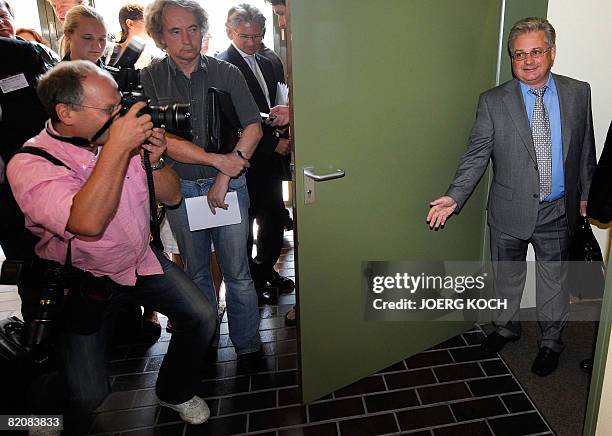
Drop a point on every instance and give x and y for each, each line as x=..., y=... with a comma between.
x=224, y=128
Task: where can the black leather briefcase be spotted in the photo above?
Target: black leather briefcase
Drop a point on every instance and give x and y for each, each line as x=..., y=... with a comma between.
x=224, y=127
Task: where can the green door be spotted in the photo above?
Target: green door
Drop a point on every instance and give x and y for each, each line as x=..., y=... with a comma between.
x=385, y=91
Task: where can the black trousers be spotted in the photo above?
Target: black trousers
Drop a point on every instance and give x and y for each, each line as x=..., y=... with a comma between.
x=267, y=207
x=17, y=243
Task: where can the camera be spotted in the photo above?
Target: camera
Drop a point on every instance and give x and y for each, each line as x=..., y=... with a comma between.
x=174, y=117
x=121, y=66
x=43, y=325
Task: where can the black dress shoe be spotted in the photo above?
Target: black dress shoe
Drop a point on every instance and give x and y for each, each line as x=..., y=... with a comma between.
x=266, y=294
x=546, y=362
x=586, y=365
x=250, y=362
x=151, y=331
x=494, y=342
x=281, y=282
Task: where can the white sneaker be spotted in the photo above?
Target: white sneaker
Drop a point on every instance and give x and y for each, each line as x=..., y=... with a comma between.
x=194, y=411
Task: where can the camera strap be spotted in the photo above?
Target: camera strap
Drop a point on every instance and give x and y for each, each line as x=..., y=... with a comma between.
x=79, y=141
x=154, y=219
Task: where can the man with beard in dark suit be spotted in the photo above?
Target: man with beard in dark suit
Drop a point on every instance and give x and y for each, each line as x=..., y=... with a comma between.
x=245, y=27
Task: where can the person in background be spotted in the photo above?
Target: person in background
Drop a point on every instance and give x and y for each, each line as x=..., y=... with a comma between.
x=280, y=114
x=205, y=43
x=280, y=10
x=21, y=116
x=7, y=30
x=61, y=7
x=245, y=27
x=178, y=26
x=32, y=35
x=85, y=35
x=131, y=21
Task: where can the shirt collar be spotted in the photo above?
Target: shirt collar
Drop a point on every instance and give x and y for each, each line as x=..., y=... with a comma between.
x=243, y=54
x=174, y=69
x=550, y=84
x=81, y=156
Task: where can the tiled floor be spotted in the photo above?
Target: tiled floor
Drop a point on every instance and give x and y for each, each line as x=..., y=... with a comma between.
x=451, y=389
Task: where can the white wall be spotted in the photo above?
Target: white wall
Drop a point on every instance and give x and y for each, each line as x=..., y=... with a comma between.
x=584, y=48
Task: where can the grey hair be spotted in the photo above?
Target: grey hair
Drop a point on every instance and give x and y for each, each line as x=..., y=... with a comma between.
x=154, y=16
x=245, y=13
x=64, y=84
x=73, y=17
x=6, y=5
x=276, y=2
x=532, y=24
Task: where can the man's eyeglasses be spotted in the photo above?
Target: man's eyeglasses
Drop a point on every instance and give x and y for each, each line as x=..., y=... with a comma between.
x=250, y=37
x=535, y=54
x=107, y=110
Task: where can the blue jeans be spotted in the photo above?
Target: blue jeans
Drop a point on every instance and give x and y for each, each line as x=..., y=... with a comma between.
x=81, y=383
x=231, y=248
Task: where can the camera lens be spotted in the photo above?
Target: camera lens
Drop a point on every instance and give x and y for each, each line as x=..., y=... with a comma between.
x=175, y=117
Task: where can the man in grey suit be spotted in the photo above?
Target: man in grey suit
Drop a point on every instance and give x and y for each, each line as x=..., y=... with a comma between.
x=537, y=130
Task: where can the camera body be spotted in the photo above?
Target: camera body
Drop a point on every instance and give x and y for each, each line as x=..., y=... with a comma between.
x=174, y=118
x=122, y=68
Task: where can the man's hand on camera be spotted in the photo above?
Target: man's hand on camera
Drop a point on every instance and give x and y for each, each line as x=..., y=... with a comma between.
x=216, y=194
x=156, y=145
x=231, y=164
x=130, y=130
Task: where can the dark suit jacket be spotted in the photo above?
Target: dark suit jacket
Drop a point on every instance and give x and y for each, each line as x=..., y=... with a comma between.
x=22, y=115
x=600, y=195
x=265, y=162
x=279, y=69
x=502, y=133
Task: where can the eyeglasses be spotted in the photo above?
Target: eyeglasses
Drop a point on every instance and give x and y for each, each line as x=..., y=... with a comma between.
x=107, y=110
x=535, y=54
x=250, y=37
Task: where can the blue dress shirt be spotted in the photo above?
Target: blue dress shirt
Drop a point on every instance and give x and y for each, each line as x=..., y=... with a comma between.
x=551, y=101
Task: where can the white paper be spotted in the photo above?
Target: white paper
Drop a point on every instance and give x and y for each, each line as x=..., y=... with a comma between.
x=13, y=83
x=200, y=217
x=282, y=94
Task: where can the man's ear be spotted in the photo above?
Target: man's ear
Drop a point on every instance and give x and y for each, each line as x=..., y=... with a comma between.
x=553, y=52
x=65, y=113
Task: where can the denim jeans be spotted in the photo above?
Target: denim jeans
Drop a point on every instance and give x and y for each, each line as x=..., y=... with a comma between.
x=231, y=247
x=81, y=383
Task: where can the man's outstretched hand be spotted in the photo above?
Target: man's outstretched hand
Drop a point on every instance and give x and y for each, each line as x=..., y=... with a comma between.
x=441, y=209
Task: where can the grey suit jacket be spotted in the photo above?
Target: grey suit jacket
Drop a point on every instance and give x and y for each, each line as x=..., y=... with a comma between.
x=501, y=133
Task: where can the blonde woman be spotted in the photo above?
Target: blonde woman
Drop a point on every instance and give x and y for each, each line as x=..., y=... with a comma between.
x=85, y=35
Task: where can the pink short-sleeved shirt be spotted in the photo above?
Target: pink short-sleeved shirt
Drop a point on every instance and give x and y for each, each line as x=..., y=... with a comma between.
x=44, y=192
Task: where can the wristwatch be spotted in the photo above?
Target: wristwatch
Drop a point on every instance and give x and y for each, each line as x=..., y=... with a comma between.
x=159, y=165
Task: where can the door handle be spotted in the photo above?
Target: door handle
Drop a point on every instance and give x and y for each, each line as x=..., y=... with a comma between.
x=309, y=172
x=310, y=177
